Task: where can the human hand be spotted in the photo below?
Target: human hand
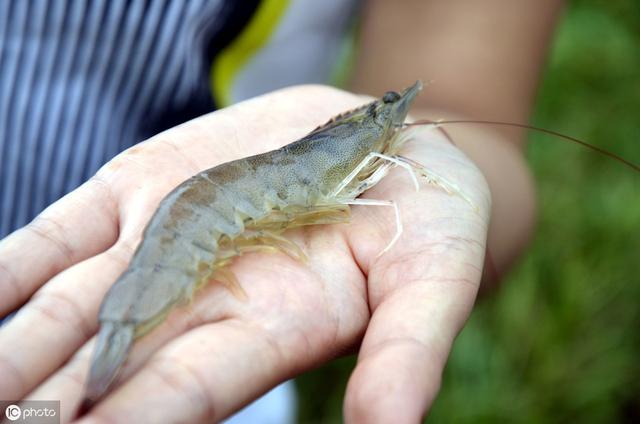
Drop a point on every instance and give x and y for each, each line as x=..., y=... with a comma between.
x=403, y=309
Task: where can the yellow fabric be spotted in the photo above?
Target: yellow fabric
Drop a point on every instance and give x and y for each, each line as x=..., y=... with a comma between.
x=229, y=62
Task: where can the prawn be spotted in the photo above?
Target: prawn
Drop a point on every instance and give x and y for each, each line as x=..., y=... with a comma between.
x=243, y=206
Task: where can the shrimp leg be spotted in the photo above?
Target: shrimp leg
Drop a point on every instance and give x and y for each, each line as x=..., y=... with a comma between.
x=253, y=241
x=436, y=179
x=265, y=236
x=370, y=182
x=246, y=205
x=375, y=202
x=410, y=166
x=230, y=282
x=367, y=160
x=270, y=241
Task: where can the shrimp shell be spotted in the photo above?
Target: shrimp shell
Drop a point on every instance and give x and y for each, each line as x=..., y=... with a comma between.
x=243, y=206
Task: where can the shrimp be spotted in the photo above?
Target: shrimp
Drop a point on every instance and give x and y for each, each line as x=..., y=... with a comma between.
x=243, y=206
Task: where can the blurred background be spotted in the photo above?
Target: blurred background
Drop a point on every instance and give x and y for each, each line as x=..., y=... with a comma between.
x=560, y=342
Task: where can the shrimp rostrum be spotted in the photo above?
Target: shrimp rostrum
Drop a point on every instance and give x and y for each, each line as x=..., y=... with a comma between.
x=245, y=205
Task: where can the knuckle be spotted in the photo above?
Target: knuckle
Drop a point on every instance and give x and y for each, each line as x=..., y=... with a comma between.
x=62, y=310
x=101, y=184
x=9, y=279
x=50, y=230
x=11, y=378
x=75, y=375
x=179, y=376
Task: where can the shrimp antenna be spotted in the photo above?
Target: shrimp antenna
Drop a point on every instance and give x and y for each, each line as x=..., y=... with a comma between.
x=530, y=127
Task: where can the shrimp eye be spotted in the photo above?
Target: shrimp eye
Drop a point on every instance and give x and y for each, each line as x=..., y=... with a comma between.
x=390, y=97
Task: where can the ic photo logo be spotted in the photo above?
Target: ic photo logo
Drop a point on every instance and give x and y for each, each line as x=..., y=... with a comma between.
x=13, y=412
x=30, y=411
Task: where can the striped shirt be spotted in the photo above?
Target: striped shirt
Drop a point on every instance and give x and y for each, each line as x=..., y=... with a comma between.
x=81, y=80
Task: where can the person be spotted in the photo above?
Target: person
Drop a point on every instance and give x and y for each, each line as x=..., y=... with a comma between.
x=82, y=81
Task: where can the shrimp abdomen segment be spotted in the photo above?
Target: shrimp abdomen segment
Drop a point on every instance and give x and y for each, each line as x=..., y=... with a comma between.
x=142, y=294
x=239, y=207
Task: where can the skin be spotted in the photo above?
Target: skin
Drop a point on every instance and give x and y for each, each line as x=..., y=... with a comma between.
x=402, y=310
x=485, y=59
x=167, y=267
x=211, y=358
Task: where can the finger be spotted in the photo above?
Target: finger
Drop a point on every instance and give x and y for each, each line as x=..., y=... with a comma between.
x=59, y=319
x=410, y=335
x=288, y=325
x=68, y=383
x=213, y=303
x=76, y=227
x=189, y=380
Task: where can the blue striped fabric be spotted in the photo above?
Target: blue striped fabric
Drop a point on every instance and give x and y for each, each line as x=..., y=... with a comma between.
x=81, y=80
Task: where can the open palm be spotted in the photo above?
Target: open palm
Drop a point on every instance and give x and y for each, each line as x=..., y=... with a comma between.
x=402, y=309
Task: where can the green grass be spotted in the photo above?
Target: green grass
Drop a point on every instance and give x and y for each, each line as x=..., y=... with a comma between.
x=561, y=341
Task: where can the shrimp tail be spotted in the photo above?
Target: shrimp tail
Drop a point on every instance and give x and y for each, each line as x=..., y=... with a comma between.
x=113, y=345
